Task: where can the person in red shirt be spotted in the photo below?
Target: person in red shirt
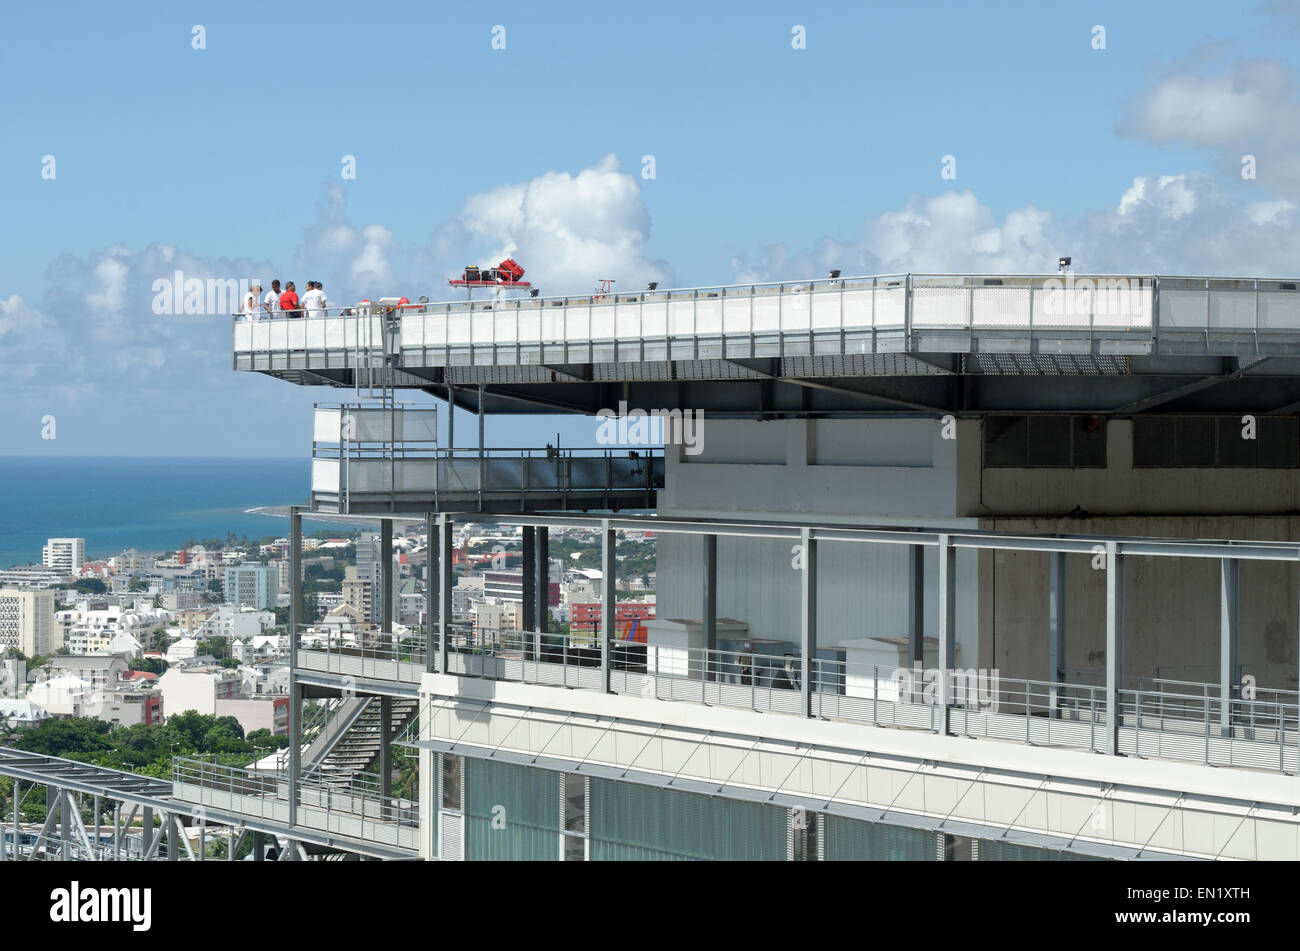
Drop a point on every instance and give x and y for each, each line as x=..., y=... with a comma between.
x=289, y=301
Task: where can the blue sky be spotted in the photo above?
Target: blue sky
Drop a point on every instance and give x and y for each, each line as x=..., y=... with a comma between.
x=770, y=162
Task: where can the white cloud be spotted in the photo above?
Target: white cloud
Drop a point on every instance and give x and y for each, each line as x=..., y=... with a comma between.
x=1249, y=108
x=1172, y=224
x=567, y=230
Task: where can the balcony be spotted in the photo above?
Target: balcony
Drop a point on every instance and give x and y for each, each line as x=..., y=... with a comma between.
x=370, y=460
x=900, y=313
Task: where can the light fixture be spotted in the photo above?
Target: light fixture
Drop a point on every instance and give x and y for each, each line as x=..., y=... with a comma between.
x=835, y=274
x=652, y=285
x=1061, y=264
x=532, y=292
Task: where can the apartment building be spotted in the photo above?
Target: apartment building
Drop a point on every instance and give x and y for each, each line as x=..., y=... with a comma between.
x=27, y=621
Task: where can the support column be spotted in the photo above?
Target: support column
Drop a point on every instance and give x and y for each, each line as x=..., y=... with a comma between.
x=947, y=624
x=295, y=697
x=146, y=831
x=709, y=615
x=1114, y=643
x=916, y=603
x=482, y=462
x=1229, y=587
x=542, y=589
x=444, y=589
x=385, y=751
x=431, y=586
x=1056, y=633
x=807, y=620
x=451, y=416
x=65, y=824
x=609, y=603
x=385, y=578
x=530, y=581
x=173, y=836
x=259, y=848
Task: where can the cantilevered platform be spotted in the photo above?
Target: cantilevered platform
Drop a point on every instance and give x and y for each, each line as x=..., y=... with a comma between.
x=885, y=345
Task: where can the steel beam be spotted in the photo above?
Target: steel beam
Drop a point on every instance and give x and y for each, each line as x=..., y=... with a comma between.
x=530, y=579
x=542, y=590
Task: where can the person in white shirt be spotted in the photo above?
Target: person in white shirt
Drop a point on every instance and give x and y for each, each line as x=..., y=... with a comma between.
x=253, y=303
x=313, y=301
x=271, y=303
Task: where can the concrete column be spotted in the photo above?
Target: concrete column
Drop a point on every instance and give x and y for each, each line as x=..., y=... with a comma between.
x=1114, y=643
x=1229, y=587
x=431, y=586
x=947, y=624
x=916, y=603
x=444, y=589
x=1056, y=631
x=385, y=748
x=608, y=601
x=385, y=576
x=709, y=614
x=295, y=695
x=807, y=620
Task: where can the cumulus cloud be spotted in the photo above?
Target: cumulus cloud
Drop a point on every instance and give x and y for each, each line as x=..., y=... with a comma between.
x=1248, y=108
x=567, y=230
x=1172, y=224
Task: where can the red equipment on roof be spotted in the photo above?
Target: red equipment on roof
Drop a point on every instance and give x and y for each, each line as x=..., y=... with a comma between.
x=505, y=274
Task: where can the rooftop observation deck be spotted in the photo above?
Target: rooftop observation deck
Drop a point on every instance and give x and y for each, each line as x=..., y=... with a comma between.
x=902, y=343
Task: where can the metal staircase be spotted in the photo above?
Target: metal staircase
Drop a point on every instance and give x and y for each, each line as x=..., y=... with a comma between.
x=349, y=746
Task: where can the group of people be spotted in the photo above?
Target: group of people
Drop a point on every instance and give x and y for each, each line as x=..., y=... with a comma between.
x=285, y=303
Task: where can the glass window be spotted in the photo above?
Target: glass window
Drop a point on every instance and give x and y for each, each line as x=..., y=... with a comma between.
x=575, y=848
x=575, y=803
x=450, y=781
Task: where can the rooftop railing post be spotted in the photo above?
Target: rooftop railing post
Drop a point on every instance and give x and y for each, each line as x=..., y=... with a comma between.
x=1114, y=643
x=1229, y=586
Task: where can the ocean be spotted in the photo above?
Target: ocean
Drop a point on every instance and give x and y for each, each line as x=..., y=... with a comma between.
x=153, y=504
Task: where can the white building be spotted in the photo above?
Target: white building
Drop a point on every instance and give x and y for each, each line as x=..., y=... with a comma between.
x=231, y=620
x=64, y=554
x=27, y=620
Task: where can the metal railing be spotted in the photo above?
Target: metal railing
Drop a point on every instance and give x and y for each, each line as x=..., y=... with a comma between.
x=1154, y=720
x=244, y=793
